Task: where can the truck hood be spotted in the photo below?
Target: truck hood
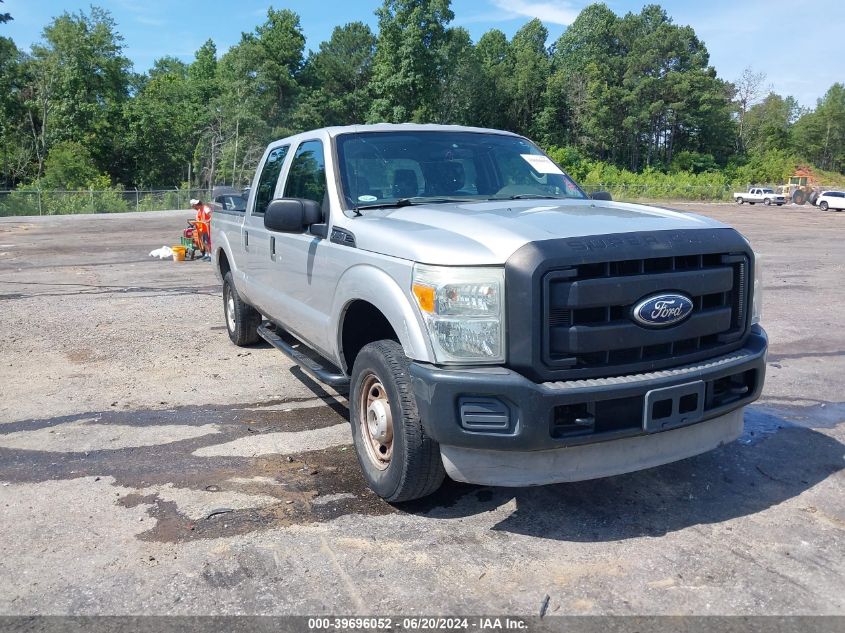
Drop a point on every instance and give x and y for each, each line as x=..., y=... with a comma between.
x=488, y=233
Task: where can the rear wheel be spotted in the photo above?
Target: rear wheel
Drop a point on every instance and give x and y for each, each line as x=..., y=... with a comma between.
x=740, y=200
x=399, y=460
x=242, y=320
x=823, y=205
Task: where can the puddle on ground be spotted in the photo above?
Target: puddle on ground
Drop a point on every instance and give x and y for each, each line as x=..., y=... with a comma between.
x=759, y=424
x=763, y=420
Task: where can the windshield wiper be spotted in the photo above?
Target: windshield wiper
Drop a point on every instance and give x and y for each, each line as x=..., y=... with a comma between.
x=406, y=202
x=530, y=196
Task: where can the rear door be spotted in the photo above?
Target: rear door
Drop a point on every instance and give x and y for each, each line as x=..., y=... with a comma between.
x=255, y=239
x=298, y=274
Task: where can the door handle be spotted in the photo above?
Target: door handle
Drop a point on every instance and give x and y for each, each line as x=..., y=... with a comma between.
x=272, y=248
x=246, y=240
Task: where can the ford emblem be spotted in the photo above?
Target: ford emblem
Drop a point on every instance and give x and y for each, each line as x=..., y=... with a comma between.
x=662, y=310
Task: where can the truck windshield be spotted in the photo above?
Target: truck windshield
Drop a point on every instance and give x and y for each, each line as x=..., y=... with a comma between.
x=399, y=168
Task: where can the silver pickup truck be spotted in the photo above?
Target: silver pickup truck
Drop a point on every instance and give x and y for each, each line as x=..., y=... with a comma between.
x=489, y=320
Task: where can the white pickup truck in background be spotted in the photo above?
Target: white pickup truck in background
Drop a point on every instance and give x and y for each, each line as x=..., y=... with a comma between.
x=760, y=194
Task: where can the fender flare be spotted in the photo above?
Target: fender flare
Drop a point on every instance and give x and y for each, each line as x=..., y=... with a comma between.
x=368, y=283
x=220, y=246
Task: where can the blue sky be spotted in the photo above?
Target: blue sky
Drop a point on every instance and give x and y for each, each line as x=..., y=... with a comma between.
x=738, y=33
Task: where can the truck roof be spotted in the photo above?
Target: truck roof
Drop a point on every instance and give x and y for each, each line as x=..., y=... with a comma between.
x=405, y=127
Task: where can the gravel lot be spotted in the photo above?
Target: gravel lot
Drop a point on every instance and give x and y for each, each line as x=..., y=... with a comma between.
x=150, y=467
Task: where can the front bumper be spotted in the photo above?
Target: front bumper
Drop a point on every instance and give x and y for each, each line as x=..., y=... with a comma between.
x=496, y=409
x=591, y=461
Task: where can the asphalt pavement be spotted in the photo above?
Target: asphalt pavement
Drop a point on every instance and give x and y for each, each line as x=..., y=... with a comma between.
x=148, y=466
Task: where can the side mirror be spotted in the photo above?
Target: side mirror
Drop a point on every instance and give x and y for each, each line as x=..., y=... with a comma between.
x=602, y=195
x=292, y=215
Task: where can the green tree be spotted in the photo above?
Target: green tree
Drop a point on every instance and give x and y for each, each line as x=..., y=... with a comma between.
x=69, y=167
x=15, y=142
x=461, y=84
x=529, y=63
x=163, y=125
x=820, y=135
x=408, y=59
x=769, y=123
x=202, y=73
x=492, y=53
x=588, y=60
x=5, y=17
x=590, y=43
x=667, y=77
x=207, y=124
x=80, y=82
x=747, y=92
x=279, y=55
x=243, y=114
x=337, y=79
x=643, y=86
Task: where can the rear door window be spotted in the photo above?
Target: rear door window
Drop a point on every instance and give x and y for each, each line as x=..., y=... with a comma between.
x=269, y=176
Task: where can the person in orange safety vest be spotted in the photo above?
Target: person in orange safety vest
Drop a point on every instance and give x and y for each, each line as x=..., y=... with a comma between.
x=204, y=216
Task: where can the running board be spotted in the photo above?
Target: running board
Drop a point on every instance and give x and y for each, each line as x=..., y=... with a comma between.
x=335, y=379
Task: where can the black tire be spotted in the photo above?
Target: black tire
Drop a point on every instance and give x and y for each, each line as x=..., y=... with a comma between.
x=740, y=200
x=414, y=468
x=823, y=205
x=751, y=203
x=780, y=204
x=799, y=197
x=767, y=202
x=242, y=320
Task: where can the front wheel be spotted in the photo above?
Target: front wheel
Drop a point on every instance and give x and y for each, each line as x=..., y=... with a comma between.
x=399, y=460
x=823, y=205
x=242, y=320
x=767, y=202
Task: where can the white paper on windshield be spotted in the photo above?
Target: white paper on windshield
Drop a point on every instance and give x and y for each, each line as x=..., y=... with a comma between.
x=541, y=164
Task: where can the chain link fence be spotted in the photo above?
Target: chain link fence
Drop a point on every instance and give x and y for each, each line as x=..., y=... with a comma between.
x=664, y=191
x=35, y=202
x=38, y=202
x=668, y=192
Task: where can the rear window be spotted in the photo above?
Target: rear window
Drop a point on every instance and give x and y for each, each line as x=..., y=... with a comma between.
x=269, y=176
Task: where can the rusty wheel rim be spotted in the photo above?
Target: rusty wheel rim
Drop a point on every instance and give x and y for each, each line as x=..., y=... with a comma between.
x=376, y=421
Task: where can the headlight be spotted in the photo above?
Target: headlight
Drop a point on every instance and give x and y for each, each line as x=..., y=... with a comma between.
x=757, y=299
x=464, y=312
